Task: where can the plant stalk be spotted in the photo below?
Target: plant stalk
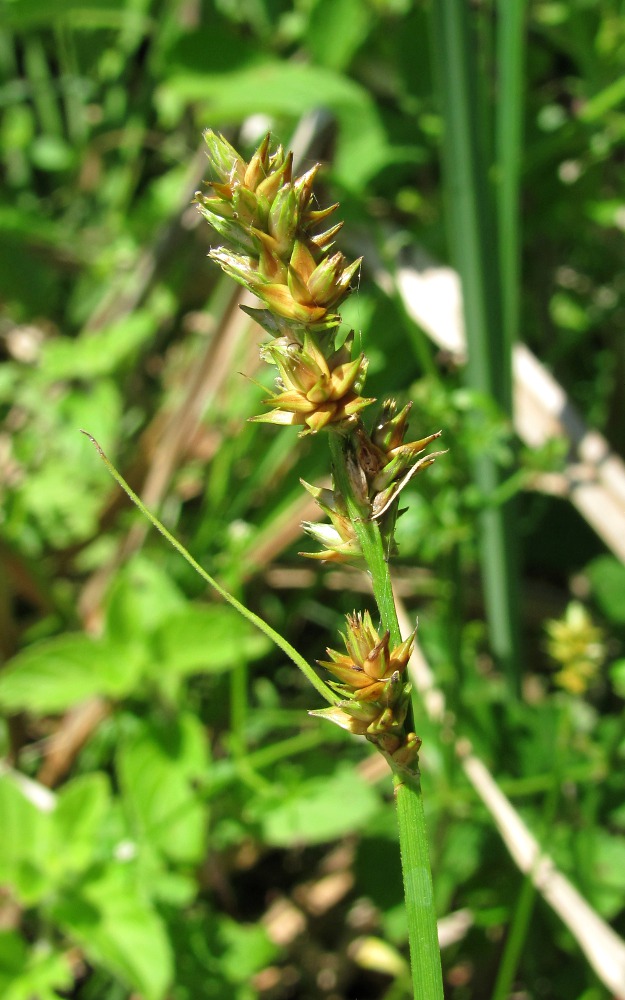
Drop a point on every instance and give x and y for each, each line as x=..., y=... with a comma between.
x=369, y=537
x=425, y=957
x=425, y=960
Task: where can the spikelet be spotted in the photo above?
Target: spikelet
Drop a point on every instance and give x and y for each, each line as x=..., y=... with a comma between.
x=374, y=695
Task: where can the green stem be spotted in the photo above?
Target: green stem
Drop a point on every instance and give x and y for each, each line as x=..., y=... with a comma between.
x=368, y=534
x=425, y=960
x=264, y=627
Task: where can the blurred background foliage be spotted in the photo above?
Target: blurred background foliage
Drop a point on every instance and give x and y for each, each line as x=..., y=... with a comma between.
x=173, y=824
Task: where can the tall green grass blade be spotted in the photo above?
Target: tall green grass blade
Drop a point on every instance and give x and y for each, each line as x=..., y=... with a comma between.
x=73, y=104
x=43, y=87
x=515, y=941
x=469, y=200
x=509, y=133
x=474, y=241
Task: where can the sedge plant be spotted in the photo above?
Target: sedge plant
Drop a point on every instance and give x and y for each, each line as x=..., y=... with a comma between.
x=276, y=245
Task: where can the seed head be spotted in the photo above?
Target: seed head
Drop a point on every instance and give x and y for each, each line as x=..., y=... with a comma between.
x=314, y=391
x=369, y=667
x=262, y=212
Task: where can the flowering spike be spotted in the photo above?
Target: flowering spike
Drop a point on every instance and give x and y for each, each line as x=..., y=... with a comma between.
x=375, y=708
x=268, y=220
x=372, y=674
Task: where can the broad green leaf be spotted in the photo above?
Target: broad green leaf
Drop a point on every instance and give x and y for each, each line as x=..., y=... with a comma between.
x=141, y=597
x=28, y=972
x=568, y=313
x=288, y=89
x=163, y=885
x=221, y=954
x=17, y=127
x=617, y=676
x=157, y=767
x=206, y=639
x=51, y=153
x=64, y=507
x=46, y=837
x=318, y=809
x=222, y=47
x=608, y=853
x=82, y=806
x=91, y=355
x=607, y=578
x=25, y=837
x=336, y=29
x=248, y=949
x=31, y=226
x=61, y=509
x=119, y=929
x=52, y=676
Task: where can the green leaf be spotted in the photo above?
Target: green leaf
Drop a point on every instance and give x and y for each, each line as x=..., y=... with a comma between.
x=248, y=949
x=319, y=809
x=82, y=806
x=617, y=676
x=221, y=954
x=608, y=862
x=44, y=837
x=90, y=356
x=607, y=578
x=49, y=152
x=61, y=494
x=567, y=313
x=336, y=29
x=27, y=972
x=52, y=676
x=157, y=768
x=119, y=929
x=25, y=835
x=87, y=14
x=141, y=597
x=206, y=639
x=288, y=89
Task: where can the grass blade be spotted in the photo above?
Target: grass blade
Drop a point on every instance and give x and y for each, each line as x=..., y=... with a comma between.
x=472, y=223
